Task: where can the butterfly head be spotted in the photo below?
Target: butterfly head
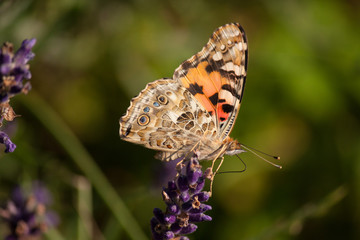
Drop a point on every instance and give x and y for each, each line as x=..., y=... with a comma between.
x=234, y=147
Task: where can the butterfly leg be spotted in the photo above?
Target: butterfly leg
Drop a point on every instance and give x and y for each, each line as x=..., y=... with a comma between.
x=212, y=173
x=180, y=163
x=195, y=146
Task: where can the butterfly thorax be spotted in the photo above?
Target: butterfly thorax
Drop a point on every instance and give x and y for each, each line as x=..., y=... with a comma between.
x=213, y=150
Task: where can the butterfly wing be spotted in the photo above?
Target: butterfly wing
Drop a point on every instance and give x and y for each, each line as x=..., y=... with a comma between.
x=216, y=75
x=165, y=117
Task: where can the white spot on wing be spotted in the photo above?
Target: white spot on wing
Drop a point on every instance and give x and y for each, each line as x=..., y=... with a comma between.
x=173, y=97
x=229, y=66
x=239, y=46
x=244, y=45
x=193, y=104
x=226, y=95
x=236, y=32
x=231, y=32
x=173, y=116
x=217, y=56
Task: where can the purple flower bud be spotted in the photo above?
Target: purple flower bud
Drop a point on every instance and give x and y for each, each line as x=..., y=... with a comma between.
x=183, y=197
x=172, y=189
x=183, y=183
x=24, y=54
x=173, y=209
x=202, y=196
x=5, y=68
x=200, y=185
x=193, y=172
x=172, y=186
x=159, y=215
x=193, y=177
x=199, y=217
x=9, y=145
x=28, y=44
x=187, y=206
x=202, y=208
x=188, y=229
x=168, y=195
x=169, y=219
x=169, y=235
x=6, y=57
x=26, y=217
x=176, y=228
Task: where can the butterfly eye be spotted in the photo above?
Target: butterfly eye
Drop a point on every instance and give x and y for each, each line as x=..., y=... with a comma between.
x=143, y=120
x=162, y=99
x=146, y=109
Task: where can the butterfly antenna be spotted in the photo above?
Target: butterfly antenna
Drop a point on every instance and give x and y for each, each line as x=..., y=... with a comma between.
x=239, y=171
x=255, y=152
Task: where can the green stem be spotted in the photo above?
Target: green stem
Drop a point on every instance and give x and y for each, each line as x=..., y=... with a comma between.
x=62, y=133
x=84, y=207
x=53, y=234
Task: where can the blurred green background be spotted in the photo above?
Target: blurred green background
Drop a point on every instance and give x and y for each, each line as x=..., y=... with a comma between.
x=302, y=102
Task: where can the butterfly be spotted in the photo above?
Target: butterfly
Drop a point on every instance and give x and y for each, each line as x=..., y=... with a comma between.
x=198, y=106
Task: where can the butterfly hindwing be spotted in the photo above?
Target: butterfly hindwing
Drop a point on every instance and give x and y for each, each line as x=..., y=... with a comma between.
x=165, y=117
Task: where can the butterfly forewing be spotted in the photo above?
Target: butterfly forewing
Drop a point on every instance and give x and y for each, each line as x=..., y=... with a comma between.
x=216, y=75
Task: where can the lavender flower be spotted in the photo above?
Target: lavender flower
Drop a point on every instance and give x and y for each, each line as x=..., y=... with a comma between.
x=13, y=70
x=26, y=213
x=184, y=199
x=9, y=145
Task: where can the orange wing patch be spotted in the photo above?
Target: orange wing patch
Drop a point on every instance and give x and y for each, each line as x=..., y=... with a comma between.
x=216, y=75
x=206, y=86
x=203, y=85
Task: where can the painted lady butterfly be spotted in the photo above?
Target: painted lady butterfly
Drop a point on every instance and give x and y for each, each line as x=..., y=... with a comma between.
x=198, y=107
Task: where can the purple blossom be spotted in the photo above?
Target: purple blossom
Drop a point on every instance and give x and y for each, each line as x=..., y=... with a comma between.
x=26, y=213
x=13, y=70
x=9, y=145
x=185, y=203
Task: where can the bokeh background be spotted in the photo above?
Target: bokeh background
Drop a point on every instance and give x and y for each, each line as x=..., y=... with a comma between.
x=302, y=102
